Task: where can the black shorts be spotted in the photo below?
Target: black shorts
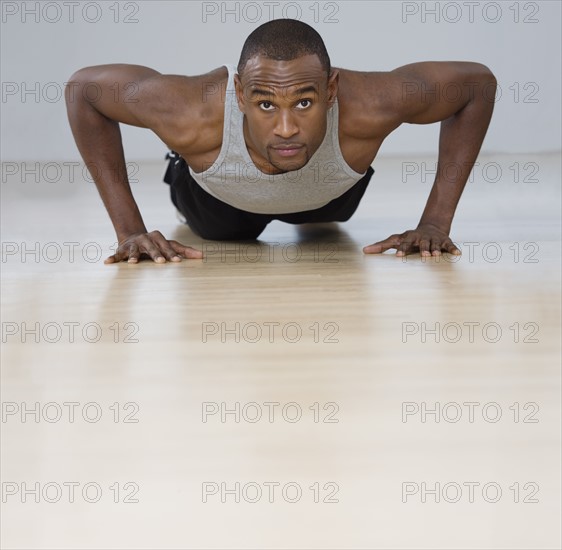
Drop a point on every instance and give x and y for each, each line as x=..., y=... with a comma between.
x=213, y=219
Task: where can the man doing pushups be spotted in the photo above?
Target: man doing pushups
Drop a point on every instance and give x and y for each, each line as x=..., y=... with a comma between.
x=282, y=136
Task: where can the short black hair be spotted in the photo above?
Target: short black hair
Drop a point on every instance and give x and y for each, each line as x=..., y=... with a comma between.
x=284, y=40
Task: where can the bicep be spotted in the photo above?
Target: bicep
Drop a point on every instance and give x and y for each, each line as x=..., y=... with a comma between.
x=433, y=91
x=112, y=90
x=133, y=94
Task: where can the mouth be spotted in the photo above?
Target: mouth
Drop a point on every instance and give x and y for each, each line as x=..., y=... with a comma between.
x=288, y=150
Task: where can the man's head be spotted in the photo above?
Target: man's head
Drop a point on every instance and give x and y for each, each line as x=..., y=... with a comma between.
x=284, y=40
x=285, y=86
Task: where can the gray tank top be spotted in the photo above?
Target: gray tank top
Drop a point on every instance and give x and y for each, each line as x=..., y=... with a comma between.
x=234, y=178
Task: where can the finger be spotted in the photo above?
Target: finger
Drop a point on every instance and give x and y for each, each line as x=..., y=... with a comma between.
x=450, y=247
x=381, y=246
x=425, y=247
x=134, y=254
x=156, y=254
x=148, y=247
x=406, y=247
x=436, y=246
x=172, y=255
x=165, y=247
x=186, y=251
x=116, y=258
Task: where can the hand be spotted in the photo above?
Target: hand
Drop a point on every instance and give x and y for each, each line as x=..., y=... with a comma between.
x=427, y=239
x=155, y=246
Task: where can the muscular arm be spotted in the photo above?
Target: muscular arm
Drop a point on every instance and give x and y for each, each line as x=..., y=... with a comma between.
x=461, y=96
x=99, y=98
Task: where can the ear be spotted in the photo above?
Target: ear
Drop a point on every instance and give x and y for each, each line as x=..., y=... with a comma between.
x=333, y=81
x=239, y=92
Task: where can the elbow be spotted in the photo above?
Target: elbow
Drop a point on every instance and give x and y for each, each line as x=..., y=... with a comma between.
x=491, y=78
x=490, y=86
x=79, y=75
x=75, y=84
x=486, y=82
x=70, y=88
x=486, y=75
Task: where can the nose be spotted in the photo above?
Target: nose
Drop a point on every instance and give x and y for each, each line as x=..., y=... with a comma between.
x=285, y=125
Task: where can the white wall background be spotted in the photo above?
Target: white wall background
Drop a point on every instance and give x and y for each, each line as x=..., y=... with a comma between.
x=42, y=44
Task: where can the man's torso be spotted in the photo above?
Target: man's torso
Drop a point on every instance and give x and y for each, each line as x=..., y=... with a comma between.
x=358, y=147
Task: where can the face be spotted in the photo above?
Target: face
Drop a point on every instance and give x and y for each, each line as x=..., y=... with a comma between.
x=285, y=104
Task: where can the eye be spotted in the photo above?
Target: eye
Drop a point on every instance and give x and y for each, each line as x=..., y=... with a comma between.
x=264, y=105
x=308, y=101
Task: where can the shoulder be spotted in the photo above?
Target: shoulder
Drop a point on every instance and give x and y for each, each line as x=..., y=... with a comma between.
x=197, y=90
x=375, y=103
x=368, y=103
x=182, y=108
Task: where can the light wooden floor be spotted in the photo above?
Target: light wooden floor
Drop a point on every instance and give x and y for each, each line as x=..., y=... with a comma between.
x=365, y=358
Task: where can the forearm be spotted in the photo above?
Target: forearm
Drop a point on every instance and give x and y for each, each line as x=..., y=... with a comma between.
x=99, y=141
x=460, y=140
